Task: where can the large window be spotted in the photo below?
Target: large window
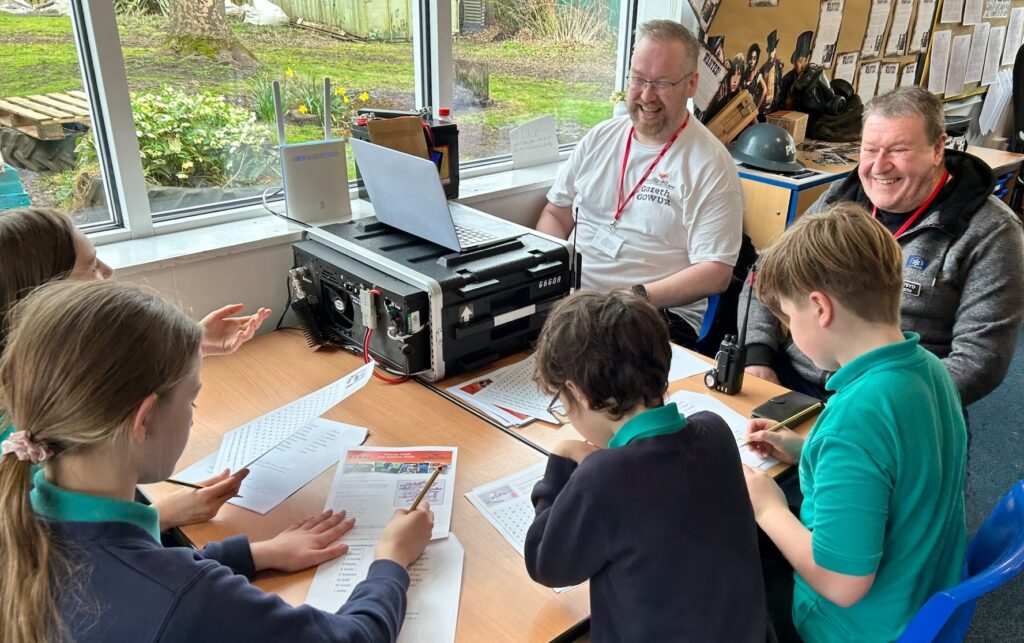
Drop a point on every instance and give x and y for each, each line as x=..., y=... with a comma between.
x=44, y=116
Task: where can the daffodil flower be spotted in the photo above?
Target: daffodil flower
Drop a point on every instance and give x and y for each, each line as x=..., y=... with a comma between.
x=364, y=97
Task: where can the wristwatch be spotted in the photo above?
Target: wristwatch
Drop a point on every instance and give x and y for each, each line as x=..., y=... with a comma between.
x=639, y=290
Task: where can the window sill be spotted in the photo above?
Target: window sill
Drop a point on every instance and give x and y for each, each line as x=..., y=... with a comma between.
x=244, y=229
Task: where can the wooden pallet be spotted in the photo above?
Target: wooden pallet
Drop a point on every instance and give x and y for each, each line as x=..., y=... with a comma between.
x=43, y=116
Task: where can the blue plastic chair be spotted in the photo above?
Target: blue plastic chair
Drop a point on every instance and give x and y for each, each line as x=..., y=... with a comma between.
x=994, y=556
x=709, y=317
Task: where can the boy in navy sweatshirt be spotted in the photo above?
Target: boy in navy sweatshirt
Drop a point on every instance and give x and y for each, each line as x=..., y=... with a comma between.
x=652, y=509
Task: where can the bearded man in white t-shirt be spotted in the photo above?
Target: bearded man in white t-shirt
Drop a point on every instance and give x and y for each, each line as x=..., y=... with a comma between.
x=654, y=199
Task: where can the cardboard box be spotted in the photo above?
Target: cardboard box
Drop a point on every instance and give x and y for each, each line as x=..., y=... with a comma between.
x=792, y=121
x=734, y=117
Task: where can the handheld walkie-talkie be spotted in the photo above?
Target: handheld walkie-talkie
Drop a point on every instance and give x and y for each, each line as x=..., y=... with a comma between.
x=731, y=358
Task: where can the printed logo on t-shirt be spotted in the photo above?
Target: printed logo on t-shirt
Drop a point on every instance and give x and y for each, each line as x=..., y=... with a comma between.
x=655, y=190
x=917, y=262
x=911, y=288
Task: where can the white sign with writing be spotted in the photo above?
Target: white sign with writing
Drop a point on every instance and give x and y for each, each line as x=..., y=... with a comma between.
x=534, y=143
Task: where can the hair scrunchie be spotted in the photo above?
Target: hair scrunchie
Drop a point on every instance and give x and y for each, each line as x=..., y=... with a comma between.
x=21, y=444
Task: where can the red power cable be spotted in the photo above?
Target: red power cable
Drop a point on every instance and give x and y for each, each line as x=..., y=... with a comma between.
x=366, y=354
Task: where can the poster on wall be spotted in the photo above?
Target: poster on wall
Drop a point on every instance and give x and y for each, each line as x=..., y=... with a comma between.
x=877, y=20
x=887, y=77
x=711, y=74
x=972, y=12
x=908, y=77
x=959, y=53
x=952, y=12
x=922, y=26
x=976, y=61
x=939, y=61
x=896, y=43
x=997, y=8
x=868, y=81
x=830, y=19
x=846, y=67
x=996, y=36
x=705, y=10
x=1014, y=35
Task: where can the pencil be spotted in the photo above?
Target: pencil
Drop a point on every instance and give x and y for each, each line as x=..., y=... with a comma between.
x=426, y=488
x=795, y=418
x=190, y=485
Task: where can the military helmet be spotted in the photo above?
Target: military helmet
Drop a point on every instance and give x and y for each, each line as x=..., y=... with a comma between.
x=767, y=147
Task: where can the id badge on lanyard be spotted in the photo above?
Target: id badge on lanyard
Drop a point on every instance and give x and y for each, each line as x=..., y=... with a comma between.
x=607, y=241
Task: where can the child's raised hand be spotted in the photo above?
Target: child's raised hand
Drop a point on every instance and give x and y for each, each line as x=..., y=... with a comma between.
x=223, y=334
x=407, y=535
x=305, y=544
x=782, y=444
x=189, y=506
x=575, y=450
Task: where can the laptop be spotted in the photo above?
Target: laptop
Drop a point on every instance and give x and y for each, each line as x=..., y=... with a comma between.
x=406, y=194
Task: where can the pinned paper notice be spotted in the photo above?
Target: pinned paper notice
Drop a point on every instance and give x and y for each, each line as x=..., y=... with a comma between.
x=534, y=143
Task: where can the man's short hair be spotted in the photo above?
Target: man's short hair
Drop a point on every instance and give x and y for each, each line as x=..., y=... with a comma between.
x=613, y=347
x=911, y=101
x=842, y=252
x=663, y=30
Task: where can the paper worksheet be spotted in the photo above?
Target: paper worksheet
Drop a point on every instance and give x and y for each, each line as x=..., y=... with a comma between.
x=1014, y=35
x=685, y=364
x=952, y=11
x=690, y=403
x=939, y=61
x=960, y=52
x=433, y=597
x=992, y=53
x=506, y=503
x=371, y=482
x=899, y=32
x=830, y=19
x=287, y=467
x=976, y=60
x=867, y=83
x=846, y=67
x=922, y=26
x=875, y=33
x=908, y=77
x=515, y=390
x=888, y=75
x=467, y=392
x=244, y=445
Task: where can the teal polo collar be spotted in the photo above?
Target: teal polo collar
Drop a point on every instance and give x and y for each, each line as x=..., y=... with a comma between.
x=53, y=503
x=892, y=353
x=661, y=420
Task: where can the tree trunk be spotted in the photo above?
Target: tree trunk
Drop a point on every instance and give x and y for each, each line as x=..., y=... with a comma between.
x=201, y=27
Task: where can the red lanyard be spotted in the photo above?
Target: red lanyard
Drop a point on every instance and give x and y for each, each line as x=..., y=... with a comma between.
x=918, y=212
x=625, y=159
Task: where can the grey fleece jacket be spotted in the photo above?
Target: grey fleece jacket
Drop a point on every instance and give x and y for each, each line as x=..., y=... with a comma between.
x=963, y=289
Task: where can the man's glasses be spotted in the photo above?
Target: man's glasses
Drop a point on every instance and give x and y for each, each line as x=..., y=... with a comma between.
x=659, y=86
x=557, y=410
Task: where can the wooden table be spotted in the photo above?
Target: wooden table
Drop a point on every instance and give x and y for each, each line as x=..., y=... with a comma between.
x=544, y=436
x=499, y=602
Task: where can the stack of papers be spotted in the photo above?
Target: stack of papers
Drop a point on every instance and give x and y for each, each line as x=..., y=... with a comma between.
x=369, y=484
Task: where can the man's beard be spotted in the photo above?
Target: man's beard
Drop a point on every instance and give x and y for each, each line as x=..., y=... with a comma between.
x=648, y=128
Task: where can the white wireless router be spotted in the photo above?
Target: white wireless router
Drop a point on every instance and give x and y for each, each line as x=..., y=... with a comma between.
x=315, y=174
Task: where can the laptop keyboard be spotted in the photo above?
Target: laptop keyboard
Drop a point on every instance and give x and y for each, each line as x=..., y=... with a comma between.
x=470, y=237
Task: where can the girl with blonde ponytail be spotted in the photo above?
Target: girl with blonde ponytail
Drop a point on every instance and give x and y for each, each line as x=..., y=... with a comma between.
x=38, y=245
x=100, y=378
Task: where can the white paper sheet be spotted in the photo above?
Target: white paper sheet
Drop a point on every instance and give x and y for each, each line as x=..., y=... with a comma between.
x=371, y=482
x=846, y=67
x=976, y=61
x=287, y=467
x=830, y=20
x=993, y=52
x=972, y=12
x=939, y=61
x=952, y=10
x=867, y=82
x=534, y=143
x=467, y=392
x=998, y=99
x=690, y=403
x=922, y=26
x=997, y=8
x=433, y=597
x=958, y=65
x=888, y=75
x=506, y=503
x=899, y=32
x=685, y=364
x=908, y=75
x=711, y=73
x=516, y=391
x=244, y=445
x=877, y=20
x=1014, y=35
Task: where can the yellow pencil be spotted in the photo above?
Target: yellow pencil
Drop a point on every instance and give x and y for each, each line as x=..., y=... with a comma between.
x=190, y=485
x=794, y=419
x=426, y=488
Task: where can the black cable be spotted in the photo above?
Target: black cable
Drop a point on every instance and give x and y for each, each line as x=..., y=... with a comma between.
x=275, y=212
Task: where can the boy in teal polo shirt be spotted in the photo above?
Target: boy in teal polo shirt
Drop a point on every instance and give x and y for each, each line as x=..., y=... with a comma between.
x=882, y=524
x=652, y=509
